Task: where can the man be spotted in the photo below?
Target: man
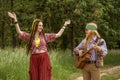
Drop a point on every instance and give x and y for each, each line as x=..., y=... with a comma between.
x=91, y=70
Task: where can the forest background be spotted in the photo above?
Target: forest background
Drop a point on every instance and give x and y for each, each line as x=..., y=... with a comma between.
x=105, y=13
x=53, y=13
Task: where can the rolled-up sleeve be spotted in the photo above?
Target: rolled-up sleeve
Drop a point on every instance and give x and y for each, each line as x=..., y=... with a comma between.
x=24, y=36
x=103, y=47
x=80, y=46
x=50, y=37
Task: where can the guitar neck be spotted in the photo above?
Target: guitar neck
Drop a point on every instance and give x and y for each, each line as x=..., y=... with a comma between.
x=100, y=43
x=87, y=51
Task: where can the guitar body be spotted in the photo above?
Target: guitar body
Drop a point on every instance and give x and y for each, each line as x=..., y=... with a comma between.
x=79, y=62
x=76, y=61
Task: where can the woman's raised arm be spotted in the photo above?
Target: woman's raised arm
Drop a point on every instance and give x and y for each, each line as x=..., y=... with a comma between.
x=63, y=28
x=13, y=16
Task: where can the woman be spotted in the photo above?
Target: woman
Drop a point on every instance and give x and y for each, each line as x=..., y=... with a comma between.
x=40, y=67
x=91, y=70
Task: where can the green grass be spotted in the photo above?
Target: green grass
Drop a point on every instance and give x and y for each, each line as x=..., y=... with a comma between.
x=15, y=65
x=114, y=76
x=112, y=58
x=63, y=67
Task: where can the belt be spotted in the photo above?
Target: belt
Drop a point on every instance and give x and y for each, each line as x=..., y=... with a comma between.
x=91, y=62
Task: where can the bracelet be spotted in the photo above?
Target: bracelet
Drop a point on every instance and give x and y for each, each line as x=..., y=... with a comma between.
x=15, y=22
x=63, y=27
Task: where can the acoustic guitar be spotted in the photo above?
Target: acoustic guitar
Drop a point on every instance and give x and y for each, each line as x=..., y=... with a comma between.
x=79, y=62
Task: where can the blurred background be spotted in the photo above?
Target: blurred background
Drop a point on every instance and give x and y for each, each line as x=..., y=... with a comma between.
x=14, y=63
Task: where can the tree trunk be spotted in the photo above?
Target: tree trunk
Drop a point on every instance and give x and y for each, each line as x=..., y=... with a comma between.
x=3, y=25
x=2, y=35
x=13, y=30
x=72, y=39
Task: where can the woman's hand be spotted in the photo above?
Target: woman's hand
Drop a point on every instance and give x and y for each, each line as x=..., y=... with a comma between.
x=67, y=22
x=12, y=15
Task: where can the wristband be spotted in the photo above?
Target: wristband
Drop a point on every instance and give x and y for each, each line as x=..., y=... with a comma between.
x=15, y=22
x=63, y=27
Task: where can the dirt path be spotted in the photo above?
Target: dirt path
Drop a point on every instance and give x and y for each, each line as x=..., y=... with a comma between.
x=105, y=72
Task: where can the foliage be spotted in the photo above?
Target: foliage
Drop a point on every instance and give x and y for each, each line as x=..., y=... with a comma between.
x=53, y=13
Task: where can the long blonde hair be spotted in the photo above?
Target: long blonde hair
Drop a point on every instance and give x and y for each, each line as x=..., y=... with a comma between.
x=91, y=35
